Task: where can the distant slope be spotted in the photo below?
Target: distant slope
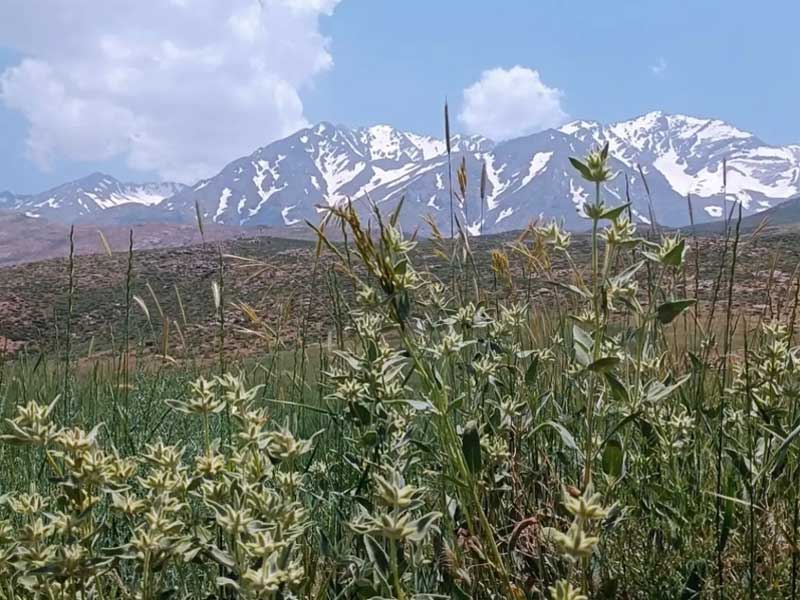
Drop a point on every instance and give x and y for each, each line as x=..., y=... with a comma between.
x=26, y=239
x=785, y=214
x=96, y=198
x=290, y=290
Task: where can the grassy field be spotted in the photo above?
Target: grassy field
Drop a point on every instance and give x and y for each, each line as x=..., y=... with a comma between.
x=613, y=415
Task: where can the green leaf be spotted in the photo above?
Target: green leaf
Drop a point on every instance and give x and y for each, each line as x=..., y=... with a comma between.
x=369, y=438
x=613, y=459
x=377, y=554
x=601, y=365
x=620, y=424
x=627, y=274
x=657, y=391
x=581, y=356
x=697, y=363
x=674, y=257
x=533, y=368
x=353, y=362
x=583, y=338
x=783, y=449
x=471, y=447
x=572, y=288
x=612, y=213
x=221, y=557
x=668, y=311
x=651, y=256
x=423, y=525
x=566, y=436
x=401, y=266
x=581, y=168
x=227, y=582
x=618, y=390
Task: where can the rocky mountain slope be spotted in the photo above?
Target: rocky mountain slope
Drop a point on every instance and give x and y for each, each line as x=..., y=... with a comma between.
x=96, y=198
x=527, y=178
x=658, y=159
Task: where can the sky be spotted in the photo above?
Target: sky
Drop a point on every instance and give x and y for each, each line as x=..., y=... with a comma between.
x=176, y=89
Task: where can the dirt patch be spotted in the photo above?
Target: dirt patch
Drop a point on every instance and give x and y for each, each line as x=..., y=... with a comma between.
x=8, y=346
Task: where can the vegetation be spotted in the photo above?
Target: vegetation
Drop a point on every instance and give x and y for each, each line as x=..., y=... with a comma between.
x=452, y=437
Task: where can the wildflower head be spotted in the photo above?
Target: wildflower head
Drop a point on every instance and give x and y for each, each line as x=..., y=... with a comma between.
x=594, y=167
x=31, y=425
x=563, y=590
x=585, y=507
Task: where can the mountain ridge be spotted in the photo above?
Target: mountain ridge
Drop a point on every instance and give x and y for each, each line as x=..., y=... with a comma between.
x=91, y=199
x=658, y=158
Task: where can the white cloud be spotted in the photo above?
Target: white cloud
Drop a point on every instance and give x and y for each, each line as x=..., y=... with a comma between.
x=660, y=67
x=177, y=86
x=506, y=103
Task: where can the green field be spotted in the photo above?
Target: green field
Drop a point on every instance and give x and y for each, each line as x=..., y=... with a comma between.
x=613, y=415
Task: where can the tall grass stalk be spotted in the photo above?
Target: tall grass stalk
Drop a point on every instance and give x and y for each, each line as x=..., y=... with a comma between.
x=67, y=390
x=449, y=168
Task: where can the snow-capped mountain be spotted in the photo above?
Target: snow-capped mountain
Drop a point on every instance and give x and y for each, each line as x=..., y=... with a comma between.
x=285, y=182
x=97, y=198
x=685, y=155
x=291, y=180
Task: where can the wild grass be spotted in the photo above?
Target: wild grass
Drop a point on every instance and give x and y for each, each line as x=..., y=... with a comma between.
x=449, y=438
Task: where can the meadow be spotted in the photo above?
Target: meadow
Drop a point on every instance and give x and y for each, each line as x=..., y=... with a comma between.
x=613, y=415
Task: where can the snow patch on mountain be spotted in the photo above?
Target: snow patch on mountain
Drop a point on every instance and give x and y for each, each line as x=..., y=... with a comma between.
x=497, y=187
x=223, y=204
x=506, y=212
x=265, y=196
x=673, y=167
x=285, y=214
x=430, y=147
x=578, y=196
x=336, y=171
x=383, y=142
x=538, y=164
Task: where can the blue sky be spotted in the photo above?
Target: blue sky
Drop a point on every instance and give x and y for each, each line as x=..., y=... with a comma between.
x=384, y=62
x=735, y=60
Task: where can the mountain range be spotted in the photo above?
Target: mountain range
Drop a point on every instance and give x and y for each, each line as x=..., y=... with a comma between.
x=97, y=198
x=658, y=159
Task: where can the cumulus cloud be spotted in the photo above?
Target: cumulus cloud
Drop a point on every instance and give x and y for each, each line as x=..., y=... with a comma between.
x=660, y=67
x=506, y=103
x=176, y=86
